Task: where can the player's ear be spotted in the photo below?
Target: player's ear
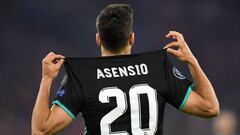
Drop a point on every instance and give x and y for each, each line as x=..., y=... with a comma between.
x=131, y=38
x=98, y=40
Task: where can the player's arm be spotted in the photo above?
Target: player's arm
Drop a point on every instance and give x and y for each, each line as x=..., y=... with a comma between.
x=202, y=101
x=45, y=120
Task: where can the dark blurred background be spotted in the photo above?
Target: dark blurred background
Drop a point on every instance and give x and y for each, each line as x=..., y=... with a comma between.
x=29, y=29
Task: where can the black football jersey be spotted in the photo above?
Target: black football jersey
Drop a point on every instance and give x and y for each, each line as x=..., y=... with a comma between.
x=122, y=95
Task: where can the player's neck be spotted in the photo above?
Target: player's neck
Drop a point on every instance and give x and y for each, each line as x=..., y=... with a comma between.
x=105, y=53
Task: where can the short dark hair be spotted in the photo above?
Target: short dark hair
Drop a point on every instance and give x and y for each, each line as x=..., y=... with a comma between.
x=114, y=25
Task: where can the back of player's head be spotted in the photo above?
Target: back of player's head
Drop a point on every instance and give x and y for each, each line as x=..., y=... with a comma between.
x=114, y=25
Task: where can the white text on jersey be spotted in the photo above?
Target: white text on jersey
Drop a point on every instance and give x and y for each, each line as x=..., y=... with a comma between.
x=123, y=71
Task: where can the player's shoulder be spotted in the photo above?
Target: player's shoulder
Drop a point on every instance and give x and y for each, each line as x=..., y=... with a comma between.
x=142, y=55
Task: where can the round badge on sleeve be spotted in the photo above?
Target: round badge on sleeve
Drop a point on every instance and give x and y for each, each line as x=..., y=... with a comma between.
x=178, y=74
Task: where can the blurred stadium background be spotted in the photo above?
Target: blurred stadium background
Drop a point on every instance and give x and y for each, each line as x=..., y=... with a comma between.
x=29, y=29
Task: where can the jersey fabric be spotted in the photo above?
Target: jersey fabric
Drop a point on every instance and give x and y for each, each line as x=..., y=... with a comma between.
x=122, y=95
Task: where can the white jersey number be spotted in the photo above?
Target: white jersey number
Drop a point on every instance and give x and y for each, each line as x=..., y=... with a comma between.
x=135, y=104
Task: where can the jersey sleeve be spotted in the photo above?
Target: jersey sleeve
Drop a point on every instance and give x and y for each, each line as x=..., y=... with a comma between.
x=179, y=88
x=68, y=97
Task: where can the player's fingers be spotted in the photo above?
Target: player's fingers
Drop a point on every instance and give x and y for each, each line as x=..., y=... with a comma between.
x=48, y=58
x=172, y=44
x=60, y=63
x=175, y=34
x=172, y=51
x=50, y=54
x=54, y=57
x=59, y=56
x=169, y=35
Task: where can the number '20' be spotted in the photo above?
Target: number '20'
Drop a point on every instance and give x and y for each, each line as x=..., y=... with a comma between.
x=135, y=110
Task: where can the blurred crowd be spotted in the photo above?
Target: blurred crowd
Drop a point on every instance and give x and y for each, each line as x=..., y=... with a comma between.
x=225, y=124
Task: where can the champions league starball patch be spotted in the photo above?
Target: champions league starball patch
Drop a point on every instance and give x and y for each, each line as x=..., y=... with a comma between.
x=61, y=92
x=178, y=74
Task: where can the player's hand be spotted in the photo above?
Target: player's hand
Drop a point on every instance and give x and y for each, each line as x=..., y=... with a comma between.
x=182, y=52
x=51, y=65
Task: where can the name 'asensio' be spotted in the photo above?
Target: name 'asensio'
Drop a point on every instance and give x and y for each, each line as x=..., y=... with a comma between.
x=123, y=71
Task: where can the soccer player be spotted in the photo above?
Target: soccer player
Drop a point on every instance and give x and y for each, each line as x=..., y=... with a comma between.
x=121, y=93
